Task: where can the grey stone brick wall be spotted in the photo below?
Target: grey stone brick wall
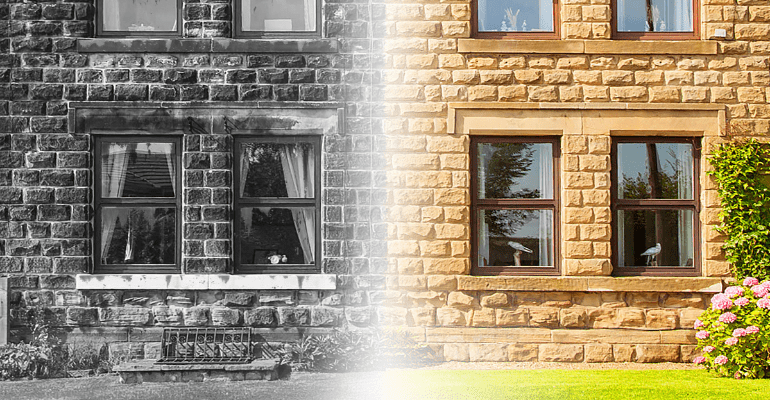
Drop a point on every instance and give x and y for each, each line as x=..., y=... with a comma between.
x=52, y=68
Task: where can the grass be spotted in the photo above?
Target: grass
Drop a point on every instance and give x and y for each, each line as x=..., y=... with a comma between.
x=415, y=385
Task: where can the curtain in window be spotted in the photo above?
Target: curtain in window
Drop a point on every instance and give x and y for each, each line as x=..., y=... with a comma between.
x=114, y=182
x=111, y=15
x=546, y=15
x=682, y=16
x=298, y=161
x=684, y=167
x=546, y=185
x=246, y=212
x=309, y=15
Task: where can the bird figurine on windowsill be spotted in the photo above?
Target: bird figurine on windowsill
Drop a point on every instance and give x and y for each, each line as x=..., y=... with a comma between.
x=652, y=255
x=518, y=248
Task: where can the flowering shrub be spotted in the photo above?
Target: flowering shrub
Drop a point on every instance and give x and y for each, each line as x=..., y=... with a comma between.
x=734, y=333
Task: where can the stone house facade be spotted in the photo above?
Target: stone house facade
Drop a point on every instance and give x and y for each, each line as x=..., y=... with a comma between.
x=222, y=171
x=529, y=219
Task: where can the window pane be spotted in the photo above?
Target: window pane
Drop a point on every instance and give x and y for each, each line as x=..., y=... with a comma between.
x=654, y=15
x=640, y=230
x=140, y=15
x=138, y=235
x=277, y=235
x=655, y=171
x=515, y=170
x=138, y=170
x=515, y=15
x=277, y=170
x=515, y=238
x=279, y=16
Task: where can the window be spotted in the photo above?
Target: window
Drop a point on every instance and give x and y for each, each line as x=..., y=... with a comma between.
x=154, y=18
x=532, y=19
x=277, y=204
x=256, y=18
x=655, y=205
x=137, y=204
x=655, y=19
x=514, y=205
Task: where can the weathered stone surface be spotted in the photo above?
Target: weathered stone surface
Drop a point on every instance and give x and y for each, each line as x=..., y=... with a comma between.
x=560, y=353
x=456, y=352
x=124, y=316
x=260, y=316
x=650, y=353
x=221, y=316
x=487, y=352
x=523, y=352
x=596, y=352
x=167, y=316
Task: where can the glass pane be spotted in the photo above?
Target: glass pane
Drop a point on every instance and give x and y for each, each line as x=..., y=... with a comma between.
x=277, y=235
x=277, y=170
x=140, y=15
x=655, y=171
x=521, y=238
x=138, y=170
x=515, y=170
x=515, y=15
x=279, y=15
x=654, y=15
x=641, y=231
x=138, y=235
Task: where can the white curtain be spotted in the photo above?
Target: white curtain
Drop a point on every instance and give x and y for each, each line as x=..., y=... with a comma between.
x=298, y=161
x=483, y=239
x=683, y=16
x=113, y=182
x=684, y=174
x=546, y=187
x=246, y=15
x=546, y=15
x=246, y=212
x=482, y=14
x=621, y=15
x=111, y=15
x=310, y=15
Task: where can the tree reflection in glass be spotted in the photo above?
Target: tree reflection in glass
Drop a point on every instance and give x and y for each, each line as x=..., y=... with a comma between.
x=138, y=235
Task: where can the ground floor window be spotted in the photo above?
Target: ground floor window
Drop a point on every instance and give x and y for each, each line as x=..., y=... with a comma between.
x=514, y=204
x=277, y=203
x=655, y=204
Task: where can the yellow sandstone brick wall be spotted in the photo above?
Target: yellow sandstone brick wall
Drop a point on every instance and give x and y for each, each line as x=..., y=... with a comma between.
x=435, y=71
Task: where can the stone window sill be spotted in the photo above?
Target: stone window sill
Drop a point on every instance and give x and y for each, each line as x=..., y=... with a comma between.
x=586, y=47
x=590, y=284
x=205, y=282
x=212, y=45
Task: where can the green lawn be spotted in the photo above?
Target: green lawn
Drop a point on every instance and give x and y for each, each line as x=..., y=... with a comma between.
x=414, y=385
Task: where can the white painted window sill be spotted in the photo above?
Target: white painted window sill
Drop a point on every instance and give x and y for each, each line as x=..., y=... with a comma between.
x=205, y=282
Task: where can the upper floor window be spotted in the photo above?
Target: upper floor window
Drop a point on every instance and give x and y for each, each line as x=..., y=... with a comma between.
x=514, y=205
x=139, y=18
x=277, y=204
x=254, y=18
x=655, y=19
x=655, y=202
x=137, y=204
x=532, y=19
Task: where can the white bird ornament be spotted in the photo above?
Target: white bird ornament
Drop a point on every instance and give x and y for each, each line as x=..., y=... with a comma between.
x=652, y=254
x=518, y=248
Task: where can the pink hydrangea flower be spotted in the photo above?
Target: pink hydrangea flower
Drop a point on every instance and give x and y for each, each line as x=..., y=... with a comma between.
x=733, y=291
x=727, y=318
x=763, y=303
x=721, y=360
x=702, y=334
x=741, y=301
x=752, y=329
x=737, y=375
x=740, y=332
x=731, y=341
x=750, y=281
x=721, y=301
x=699, y=360
x=698, y=324
x=760, y=290
x=709, y=349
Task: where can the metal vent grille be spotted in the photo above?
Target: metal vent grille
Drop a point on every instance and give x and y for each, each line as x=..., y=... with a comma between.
x=205, y=345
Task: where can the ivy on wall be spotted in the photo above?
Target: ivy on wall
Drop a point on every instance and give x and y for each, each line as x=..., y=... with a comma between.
x=742, y=172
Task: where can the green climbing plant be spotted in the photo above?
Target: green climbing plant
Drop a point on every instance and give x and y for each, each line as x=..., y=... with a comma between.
x=741, y=170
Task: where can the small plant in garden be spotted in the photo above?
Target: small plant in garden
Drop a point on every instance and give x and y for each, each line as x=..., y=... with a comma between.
x=42, y=357
x=734, y=333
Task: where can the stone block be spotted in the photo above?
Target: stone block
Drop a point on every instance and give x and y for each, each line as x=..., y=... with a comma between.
x=456, y=352
x=523, y=352
x=544, y=317
x=488, y=352
x=655, y=353
x=552, y=352
x=461, y=300
x=661, y=319
x=624, y=352
x=483, y=317
x=575, y=317
x=222, y=316
x=515, y=317
x=124, y=316
x=598, y=352
x=167, y=316
x=494, y=300
x=260, y=316
x=448, y=316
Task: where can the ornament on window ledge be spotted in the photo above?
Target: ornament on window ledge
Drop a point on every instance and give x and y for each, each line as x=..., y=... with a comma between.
x=277, y=258
x=512, y=19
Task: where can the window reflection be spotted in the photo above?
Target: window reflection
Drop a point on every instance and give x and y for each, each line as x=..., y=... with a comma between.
x=515, y=171
x=278, y=15
x=654, y=15
x=138, y=235
x=641, y=230
x=140, y=15
x=277, y=235
x=138, y=170
x=515, y=238
x=655, y=170
x=515, y=15
x=278, y=170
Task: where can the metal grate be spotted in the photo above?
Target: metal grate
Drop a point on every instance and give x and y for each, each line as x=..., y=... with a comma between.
x=205, y=345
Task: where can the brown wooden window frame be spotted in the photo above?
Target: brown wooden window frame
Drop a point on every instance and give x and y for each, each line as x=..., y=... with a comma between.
x=515, y=204
x=555, y=34
x=694, y=35
x=100, y=32
x=657, y=204
x=239, y=32
x=241, y=137
x=123, y=202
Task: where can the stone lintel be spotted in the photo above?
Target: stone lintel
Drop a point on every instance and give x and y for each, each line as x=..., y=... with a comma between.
x=695, y=47
x=591, y=284
x=208, y=45
x=613, y=336
x=205, y=282
x=487, y=335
